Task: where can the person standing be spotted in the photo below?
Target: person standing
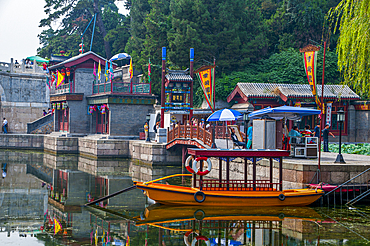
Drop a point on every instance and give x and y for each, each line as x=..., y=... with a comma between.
x=325, y=137
x=250, y=136
x=317, y=130
x=5, y=125
x=146, y=130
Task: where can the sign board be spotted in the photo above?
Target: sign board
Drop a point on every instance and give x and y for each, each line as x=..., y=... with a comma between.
x=328, y=113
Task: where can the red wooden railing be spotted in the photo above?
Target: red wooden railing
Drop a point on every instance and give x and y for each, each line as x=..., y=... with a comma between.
x=238, y=185
x=190, y=132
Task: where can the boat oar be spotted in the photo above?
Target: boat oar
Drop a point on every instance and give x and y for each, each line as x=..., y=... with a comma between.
x=111, y=195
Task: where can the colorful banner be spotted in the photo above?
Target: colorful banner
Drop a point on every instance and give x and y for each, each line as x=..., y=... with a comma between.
x=149, y=71
x=106, y=71
x=57, y=226
x=206, y=78
x=328, y=113
x=310, y=61
x=60, y=79
x=131, y=69
x=99, y=72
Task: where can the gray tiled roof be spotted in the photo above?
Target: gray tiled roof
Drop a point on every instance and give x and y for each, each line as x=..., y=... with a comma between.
x=295, y=90
x=178, y=77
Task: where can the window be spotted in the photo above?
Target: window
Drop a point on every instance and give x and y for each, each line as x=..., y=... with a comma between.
x=257, y=107
x=334, y=122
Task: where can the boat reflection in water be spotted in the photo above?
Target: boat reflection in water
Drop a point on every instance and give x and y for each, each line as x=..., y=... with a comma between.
x=225, y=225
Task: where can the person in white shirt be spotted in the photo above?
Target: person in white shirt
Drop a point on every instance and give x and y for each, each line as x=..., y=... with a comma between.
x=5, y=126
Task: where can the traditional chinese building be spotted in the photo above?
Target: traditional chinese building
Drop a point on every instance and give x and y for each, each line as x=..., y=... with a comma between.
x=337, y=97
x=88, y=104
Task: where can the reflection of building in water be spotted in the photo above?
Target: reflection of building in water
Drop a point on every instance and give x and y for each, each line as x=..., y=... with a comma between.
x=60, y=161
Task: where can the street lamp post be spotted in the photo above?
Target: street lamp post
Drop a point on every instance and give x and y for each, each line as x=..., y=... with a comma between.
x=340, y=119
x=246, y=121
x=147, y=120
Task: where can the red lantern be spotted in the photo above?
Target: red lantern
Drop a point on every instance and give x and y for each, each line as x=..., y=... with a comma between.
x=63, y=72
x=68, y=70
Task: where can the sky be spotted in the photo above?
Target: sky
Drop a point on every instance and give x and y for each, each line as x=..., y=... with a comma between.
x=19, y=21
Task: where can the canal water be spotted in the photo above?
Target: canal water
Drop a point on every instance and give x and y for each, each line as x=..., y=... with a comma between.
x=41, y=197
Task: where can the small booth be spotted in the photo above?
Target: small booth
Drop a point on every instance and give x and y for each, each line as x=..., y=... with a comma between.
x=304, y=147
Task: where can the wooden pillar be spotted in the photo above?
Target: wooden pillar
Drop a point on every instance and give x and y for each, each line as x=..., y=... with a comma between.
x=227, y=172
x=220, y=172
x=183, y=163
x=245, y=172
x=254, y=172
x=281, y=173
x=191, y=84
x=271, y=172
x=201, y=177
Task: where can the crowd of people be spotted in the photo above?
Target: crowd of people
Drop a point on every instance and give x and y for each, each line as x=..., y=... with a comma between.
x=315, y=133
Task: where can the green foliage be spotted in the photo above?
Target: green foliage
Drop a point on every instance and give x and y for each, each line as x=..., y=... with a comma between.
x=359, y=149
x=352, y=19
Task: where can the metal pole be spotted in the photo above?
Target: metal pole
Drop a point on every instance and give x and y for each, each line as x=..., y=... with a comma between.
x=162, y=87
x=191, y=84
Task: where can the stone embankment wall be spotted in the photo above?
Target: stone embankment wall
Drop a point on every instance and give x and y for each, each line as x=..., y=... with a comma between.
x=23, y=97
x=93, y=148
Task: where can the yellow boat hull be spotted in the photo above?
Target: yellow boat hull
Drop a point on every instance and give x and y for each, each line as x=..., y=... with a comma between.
x=178, y=195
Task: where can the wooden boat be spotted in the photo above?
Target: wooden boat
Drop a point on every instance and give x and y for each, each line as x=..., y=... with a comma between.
x=157, y=214
x=227, y=192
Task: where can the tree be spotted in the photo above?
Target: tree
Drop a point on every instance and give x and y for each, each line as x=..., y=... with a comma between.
x=74, y=16
x=353, y=48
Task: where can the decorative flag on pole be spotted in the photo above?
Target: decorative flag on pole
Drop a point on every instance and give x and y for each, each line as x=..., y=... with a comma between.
x=310, y=62
x=106, y=70
x=60, y=79
x=57, y=226
x=94, y=72
x=128, y=241
x=48, y=82
x=111, y=73
x=149, y=71
x=205, y=75
x=131, y=70
x=99, y=72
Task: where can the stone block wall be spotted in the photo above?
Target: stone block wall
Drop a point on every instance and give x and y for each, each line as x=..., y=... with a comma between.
x=102, y=167
x=127, y=119
x=61, y=145
x=23, y=97
x=22, y=141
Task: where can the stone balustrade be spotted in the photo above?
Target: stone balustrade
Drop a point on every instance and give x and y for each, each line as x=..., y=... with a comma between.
x=21, y=68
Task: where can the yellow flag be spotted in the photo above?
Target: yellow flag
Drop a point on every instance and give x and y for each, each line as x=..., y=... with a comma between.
x=131, y=70
x=99, y=71
x=60, y=79
x=128, y=241
x=57, y=226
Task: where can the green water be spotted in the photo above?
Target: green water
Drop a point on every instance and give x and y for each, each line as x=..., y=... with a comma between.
x=40, y=187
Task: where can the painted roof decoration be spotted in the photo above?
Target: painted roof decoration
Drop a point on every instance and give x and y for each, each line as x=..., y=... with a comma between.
x=178, y=75
x=285, y=91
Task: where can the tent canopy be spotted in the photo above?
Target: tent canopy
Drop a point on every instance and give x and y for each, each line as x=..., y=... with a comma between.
x=37, y=58
x=288, y=112
x=224, y=115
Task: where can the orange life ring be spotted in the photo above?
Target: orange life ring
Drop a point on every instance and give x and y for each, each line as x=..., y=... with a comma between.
x=195, y=169
x=187, y=162
x=186, y=237
x=205, y=239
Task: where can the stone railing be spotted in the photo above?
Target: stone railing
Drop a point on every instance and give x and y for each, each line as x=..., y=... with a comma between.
x=20, y=68
x=37, y=124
